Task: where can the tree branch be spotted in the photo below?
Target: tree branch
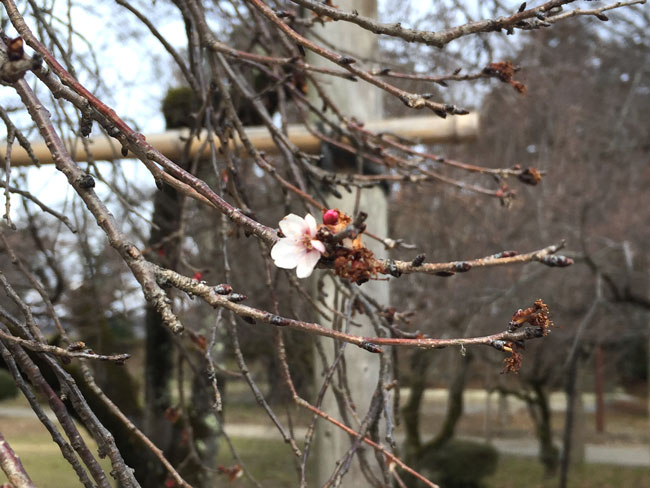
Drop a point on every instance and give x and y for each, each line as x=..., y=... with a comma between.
x=12, y=467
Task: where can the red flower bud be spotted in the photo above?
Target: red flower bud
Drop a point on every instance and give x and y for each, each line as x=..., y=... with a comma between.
x=198, y=276
x=331, y=217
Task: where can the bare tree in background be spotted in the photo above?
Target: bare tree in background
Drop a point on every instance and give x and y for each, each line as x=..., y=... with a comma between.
x=206, y=269
x=569, y=127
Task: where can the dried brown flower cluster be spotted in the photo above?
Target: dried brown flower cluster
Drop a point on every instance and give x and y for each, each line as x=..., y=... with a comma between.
x=538, y=318
x=530, y=176
x=351, y=259
x=536, y=315
x=505, y=71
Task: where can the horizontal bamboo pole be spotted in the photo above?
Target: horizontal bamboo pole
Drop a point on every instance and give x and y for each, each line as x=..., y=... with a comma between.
x=426, y=130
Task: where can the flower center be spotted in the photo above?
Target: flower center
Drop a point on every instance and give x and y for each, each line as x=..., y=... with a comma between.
x=306, y=241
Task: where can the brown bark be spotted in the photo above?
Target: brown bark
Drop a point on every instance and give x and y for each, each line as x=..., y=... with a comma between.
x=12, y=467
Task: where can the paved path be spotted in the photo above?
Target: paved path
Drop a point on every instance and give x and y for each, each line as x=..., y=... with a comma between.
x=623, y=455
x=475, y=400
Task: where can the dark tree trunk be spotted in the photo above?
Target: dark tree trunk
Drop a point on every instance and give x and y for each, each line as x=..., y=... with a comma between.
x=414, y=449
x=539, y=408
x=569, y=418
x=165, y=247
x=454, y=405
x=206, y=431
x=411, y=410
x=159, y=360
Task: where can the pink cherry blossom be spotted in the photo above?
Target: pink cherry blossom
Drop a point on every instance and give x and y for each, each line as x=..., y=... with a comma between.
x=299, y=248
x=331, y=217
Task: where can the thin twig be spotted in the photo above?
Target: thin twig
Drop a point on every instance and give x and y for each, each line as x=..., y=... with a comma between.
x=57, y=351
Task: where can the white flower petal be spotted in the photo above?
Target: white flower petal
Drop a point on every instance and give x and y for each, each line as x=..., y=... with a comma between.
x=285, y=263
x=306, y=264
x=293, y=226
x=311, y=223
x=318, y=245
x=285, y=247
x=288, y=261
x=295, y=258
x=285, y=253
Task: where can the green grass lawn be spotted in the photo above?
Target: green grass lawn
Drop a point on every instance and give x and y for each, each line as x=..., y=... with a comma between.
x=527, y=473
x=40, y=456
x=271, y=462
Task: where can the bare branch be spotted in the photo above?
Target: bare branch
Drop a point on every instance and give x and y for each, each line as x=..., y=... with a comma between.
x=12, y=467
x=69, y=353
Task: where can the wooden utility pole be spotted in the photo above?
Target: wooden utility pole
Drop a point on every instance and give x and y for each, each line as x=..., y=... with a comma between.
x=363, y=102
